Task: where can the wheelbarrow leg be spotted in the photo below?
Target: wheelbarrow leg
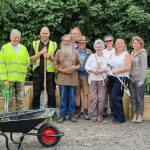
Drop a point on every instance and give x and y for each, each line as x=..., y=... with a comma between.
x=20, y=142
x=6, y=140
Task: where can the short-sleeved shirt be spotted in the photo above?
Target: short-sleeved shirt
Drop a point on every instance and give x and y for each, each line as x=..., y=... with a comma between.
x=32, y=53
x=81, y=71
x=63, y=78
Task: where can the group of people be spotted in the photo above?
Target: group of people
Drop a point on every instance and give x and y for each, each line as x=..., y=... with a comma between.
x=81, y=74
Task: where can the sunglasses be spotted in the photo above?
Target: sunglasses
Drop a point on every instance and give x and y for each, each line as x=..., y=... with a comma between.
x=108, y=41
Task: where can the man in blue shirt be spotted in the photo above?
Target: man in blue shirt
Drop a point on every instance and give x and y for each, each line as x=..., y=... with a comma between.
x=82, y=78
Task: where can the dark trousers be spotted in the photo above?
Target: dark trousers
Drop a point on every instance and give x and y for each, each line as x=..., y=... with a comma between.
x=116, y=94
x=38, y=81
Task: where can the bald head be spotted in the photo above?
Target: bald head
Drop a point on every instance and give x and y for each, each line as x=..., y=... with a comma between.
x=45, y=34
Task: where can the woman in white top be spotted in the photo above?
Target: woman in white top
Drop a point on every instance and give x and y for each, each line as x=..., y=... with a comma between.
x=96, y=67
x=120, y=64
x=107, y=52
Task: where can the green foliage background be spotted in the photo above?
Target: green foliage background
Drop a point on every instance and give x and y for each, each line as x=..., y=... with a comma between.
x=95, y=18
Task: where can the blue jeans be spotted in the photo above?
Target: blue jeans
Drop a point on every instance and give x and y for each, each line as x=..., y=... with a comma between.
x=67, y=99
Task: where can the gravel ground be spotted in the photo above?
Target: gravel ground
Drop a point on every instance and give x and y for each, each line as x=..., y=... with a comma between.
x=86, y=135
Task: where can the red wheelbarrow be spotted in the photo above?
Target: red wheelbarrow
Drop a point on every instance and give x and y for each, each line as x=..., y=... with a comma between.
x=24, y=122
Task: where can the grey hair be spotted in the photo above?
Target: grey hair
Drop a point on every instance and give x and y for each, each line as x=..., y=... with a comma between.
x=15, y=31
x=67, y=35
x=106, y=36
x=99, y=41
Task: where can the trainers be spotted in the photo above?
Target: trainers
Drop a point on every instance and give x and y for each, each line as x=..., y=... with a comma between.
x=140, y=118
x=134, y=118
x=61, y=119
x=94, y=119
x=86, y=116
x=72, y=118
x=99, y=119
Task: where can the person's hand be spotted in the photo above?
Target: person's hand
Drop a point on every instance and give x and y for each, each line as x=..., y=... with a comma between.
x=99, y=71
x=6, y=84
x=102, y=71
x=74, y=68
x=115, y=72
x=95, y=71
x=140, y=84
x=46, y=55
x=67, y=71
x=43, y=51
x=52, y=58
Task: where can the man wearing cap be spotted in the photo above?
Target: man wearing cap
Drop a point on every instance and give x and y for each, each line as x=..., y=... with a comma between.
x=82, y=78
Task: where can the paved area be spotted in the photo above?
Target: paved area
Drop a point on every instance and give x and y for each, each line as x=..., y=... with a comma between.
x=86, y=135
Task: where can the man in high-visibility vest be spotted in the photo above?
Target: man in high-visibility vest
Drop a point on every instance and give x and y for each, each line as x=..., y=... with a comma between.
x=41, y=49
x=14, y=62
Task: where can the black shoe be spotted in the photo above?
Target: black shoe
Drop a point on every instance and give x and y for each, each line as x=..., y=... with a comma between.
x=86, y=116
x=77, y=115
x=61, y=119
x=105, y=113
x=72, y=118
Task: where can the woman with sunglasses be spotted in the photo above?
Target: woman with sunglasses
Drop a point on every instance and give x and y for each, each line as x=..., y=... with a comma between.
x=107, y=52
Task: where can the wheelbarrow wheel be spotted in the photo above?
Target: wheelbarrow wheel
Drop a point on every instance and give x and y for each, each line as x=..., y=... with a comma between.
x=48, y=130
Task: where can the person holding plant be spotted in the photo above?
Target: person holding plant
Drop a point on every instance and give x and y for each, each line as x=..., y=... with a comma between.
x=138, y=74
x=67, y=62
x=96, y=66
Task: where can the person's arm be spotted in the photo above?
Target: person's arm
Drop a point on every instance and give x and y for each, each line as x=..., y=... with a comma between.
x=143, y=59
x=88, y=67
x=79, y=62
x=127, y=65
x=58, y=67
x=37, y=56
x=62, y=70
x=3, y=69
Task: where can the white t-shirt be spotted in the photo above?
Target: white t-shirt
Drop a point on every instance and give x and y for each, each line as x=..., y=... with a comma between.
x=16, y=48
x=107, y=53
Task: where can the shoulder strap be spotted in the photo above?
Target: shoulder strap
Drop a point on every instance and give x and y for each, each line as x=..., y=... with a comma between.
x=97, y=61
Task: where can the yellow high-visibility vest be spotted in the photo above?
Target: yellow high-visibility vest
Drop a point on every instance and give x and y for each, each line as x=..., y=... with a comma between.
x=51, y=49
x=13, y=67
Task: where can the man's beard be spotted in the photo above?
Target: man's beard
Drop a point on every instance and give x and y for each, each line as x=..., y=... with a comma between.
x=66, y=50
x=67, y=53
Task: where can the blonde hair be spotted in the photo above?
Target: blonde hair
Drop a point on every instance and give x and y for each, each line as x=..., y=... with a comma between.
x=120, y=40
x=139, y=39
x=75, y=28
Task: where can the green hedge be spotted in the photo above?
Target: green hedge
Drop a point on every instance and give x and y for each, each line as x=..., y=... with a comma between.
x=95, y=18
